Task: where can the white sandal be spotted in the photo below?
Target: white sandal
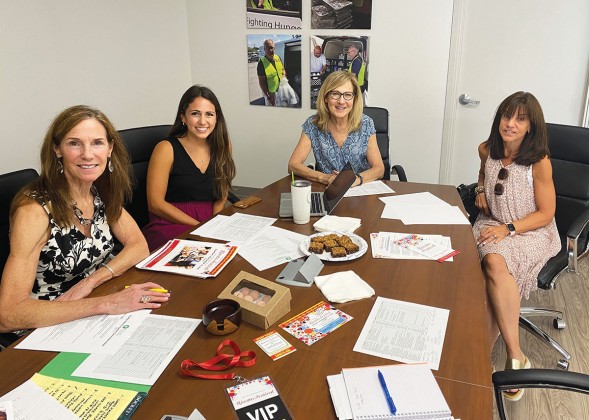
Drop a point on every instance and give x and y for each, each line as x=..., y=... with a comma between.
x=515, y=364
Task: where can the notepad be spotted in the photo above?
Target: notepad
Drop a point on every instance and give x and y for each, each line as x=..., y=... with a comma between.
x=413, y=388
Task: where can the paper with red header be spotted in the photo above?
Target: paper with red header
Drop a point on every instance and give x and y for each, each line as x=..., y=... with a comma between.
x=190, y=258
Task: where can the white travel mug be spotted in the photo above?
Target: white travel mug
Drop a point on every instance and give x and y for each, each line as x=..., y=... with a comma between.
x=301, y=201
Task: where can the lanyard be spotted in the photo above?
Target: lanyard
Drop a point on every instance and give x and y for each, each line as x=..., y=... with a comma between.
x=220, y=362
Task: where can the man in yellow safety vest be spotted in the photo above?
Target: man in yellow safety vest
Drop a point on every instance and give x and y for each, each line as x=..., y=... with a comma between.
x=270, y=71
x=357, y=66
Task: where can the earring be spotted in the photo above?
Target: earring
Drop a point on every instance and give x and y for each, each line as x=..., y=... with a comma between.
x=110, y=165
x=59, y=166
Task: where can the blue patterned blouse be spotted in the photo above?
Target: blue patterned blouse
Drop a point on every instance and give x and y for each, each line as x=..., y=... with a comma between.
x=330, y=157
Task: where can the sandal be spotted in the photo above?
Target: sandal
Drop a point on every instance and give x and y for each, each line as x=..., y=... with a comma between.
x=515, y=364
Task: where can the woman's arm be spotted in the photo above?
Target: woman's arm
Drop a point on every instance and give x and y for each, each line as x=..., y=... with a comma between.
x=297, y=165
x=481, y=199
x=134, y=250
x=545, y=197
x=158, y=175
x=374, y=158
x=28, y=234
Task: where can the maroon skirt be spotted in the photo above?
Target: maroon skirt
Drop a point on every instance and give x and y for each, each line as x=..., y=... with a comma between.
x=159, y=231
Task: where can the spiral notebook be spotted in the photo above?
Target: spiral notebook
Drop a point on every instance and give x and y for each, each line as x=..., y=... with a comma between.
x=413, y=389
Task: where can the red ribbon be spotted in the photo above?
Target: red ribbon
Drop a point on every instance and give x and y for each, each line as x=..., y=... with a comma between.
x=220, y=362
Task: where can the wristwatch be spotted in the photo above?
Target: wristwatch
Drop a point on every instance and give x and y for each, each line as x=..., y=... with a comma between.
x=510, y=228
x=478, y=190
x=359, y=175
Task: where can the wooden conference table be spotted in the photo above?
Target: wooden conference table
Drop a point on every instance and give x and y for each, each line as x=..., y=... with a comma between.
x=465, y=369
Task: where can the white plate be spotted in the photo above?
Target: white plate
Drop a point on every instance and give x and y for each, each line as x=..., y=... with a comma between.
x=326, y=256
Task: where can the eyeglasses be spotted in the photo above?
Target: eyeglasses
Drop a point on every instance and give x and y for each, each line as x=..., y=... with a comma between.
x=501, y=176
x=348, y=96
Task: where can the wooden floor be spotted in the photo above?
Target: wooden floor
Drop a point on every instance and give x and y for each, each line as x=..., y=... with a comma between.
x=572, y=297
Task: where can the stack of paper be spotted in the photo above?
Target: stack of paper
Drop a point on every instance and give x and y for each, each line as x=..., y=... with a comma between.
x=422, y=209
x=331, y=223
x=411, y=246
x=403, y=392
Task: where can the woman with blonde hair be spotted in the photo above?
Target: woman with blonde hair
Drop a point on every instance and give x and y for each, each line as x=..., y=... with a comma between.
x=338, y=133
x=62, y=226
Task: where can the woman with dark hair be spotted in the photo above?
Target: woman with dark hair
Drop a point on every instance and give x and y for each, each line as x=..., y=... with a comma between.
x=61, y=228
x=190, y=172
x=515, y=230
x=338, y=133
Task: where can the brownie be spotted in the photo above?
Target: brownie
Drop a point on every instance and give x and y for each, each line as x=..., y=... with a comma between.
x=330, y=243
x=316, y=247
x=351, y=247
x=338, y=251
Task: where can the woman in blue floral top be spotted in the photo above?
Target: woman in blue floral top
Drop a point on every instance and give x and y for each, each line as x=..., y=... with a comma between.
x=337, y=134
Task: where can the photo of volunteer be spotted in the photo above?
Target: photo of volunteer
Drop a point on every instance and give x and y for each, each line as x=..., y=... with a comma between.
x=62, y=226
x=338, y=133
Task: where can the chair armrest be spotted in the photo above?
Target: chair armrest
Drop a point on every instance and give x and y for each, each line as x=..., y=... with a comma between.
x=577, y=227
x=541, y=378
x=398, y=169
x=6, y=339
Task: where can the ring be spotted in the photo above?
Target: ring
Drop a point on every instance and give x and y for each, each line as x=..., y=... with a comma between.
x=494, y=236
x=145, y=299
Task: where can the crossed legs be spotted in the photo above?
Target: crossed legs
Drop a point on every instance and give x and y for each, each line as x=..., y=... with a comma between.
x=504, y=305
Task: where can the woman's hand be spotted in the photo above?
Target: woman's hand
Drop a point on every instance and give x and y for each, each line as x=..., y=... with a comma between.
x=493, y=234
x=135, y=297
x=328, y=178
x=481, y=202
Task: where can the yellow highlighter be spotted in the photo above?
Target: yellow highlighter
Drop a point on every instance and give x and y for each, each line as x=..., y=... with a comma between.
x=156, y=290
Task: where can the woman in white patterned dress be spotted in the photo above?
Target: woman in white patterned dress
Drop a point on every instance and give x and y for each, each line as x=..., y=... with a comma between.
x=515, y=231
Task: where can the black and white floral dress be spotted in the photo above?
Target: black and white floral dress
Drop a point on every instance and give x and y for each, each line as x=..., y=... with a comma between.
x=70, y=256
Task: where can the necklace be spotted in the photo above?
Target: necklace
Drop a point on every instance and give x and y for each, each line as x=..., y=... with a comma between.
x=79, y=214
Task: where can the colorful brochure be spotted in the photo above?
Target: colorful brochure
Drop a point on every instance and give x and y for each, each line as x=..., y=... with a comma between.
x=257, y=399
x=191, y=258
x=315, y=323
x=430, y=249
x=274, y=345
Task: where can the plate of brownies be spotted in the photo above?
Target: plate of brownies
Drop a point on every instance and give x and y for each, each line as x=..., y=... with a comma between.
x=334, y=246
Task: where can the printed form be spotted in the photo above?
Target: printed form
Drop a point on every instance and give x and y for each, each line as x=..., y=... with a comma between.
x=405, y=332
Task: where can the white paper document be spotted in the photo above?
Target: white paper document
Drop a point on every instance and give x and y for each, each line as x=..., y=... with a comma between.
x=422, y=209
x=145, y=355
x=369, y=188
x=383, y=245
x=404, y=331
x=96, y=334
x=237, y=228
x=339, y=396
x=30, y=402
x=272, y=246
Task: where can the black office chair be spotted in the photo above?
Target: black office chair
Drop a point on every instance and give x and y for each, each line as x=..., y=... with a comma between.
x=140, y=142
x=536, y=378
x=380, y=116
x=10, y=184
x=569, y=153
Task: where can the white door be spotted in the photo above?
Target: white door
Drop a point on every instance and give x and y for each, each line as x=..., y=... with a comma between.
x=503, y=46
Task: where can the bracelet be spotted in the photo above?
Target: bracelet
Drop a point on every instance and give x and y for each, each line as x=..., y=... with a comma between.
x=478, y=190
x=105, y=265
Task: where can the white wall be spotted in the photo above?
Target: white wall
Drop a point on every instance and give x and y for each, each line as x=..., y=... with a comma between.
x=128, y=58
x=408, y=69
x=539, y=46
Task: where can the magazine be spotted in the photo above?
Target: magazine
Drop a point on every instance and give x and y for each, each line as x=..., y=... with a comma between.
x=191, y=258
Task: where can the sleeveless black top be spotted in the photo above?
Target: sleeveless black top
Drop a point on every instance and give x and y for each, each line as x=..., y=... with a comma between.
x=186, y=181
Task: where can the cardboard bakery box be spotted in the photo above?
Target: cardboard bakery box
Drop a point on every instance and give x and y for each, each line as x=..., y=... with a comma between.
x=262, y=302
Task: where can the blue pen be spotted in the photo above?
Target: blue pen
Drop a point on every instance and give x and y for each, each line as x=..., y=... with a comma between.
x=383, y=385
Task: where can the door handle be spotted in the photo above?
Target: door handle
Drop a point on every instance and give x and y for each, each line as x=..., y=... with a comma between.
x=465, y=99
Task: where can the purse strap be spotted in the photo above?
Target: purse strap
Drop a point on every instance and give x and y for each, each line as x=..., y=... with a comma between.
x=221, y=361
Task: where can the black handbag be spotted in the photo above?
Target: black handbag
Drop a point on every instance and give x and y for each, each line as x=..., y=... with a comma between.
x=468, y=196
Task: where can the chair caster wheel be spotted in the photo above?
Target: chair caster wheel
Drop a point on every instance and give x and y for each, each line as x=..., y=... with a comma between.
x=559, y=323
x=563, y=364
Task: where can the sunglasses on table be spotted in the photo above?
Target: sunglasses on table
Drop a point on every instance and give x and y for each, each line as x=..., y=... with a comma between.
x=501, y=176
